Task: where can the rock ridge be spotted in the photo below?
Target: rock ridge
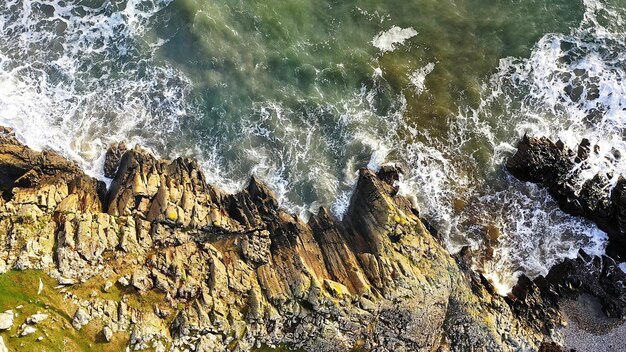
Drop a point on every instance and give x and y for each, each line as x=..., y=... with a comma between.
x=238, y=272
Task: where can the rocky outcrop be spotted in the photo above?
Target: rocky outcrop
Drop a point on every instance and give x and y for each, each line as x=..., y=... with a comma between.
x=559, y=169
x=236, y=271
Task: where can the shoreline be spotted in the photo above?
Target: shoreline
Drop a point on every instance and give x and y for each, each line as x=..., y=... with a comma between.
x=217, y=271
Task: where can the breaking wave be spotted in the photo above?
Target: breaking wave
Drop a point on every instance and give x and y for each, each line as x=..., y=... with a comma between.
x=75, y=78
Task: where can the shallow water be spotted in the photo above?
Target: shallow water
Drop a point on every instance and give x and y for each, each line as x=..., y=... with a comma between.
x=303, y=93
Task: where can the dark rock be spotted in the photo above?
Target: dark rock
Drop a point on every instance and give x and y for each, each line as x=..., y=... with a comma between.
x=535, y=302
x=551, y=347
x=390, y=174
x=112, y=158
x=541, y=161
x=583, y=150
x=598, y=276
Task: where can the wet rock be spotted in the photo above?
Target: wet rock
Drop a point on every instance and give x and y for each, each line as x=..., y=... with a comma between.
x=112, y=158
x=598, y=276
x=551, y=165
x=236, y=270
x=390, y=174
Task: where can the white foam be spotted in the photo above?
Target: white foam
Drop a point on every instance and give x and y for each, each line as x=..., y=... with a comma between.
x=49, y=96
x=392, y=38
x=418, y=77
x=533, y=93
x=52, y=101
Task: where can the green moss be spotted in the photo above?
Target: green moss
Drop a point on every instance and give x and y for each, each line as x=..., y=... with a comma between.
x=19, y=288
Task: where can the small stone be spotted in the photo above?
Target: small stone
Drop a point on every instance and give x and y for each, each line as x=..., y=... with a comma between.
x=66, y=281
x=107, y=333
x=123, y=281
x=28, y=330
x=40, y=338
x=37, y=318
x=107, y=286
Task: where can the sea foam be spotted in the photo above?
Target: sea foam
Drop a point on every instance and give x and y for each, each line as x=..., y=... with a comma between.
x=392, y=38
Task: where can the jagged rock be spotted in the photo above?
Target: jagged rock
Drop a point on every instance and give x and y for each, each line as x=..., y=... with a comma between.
x=256, y=247
x=141, y=280
x=598, y=276
x=81, y=318
x=123, y=280
x=556, y=167
x=6, y=320
x=237, y=270
x=112, y=158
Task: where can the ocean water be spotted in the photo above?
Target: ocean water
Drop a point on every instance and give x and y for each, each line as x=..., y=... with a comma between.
x=302, y=93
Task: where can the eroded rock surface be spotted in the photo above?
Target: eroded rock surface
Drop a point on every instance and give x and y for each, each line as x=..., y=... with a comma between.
x=236, y=271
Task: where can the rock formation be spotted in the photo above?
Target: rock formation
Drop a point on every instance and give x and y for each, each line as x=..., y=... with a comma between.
x=237, y=272
x=558, y=168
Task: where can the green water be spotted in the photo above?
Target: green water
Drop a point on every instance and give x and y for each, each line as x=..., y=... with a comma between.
x=305, y=61
x=308, y=55
x=298, y=93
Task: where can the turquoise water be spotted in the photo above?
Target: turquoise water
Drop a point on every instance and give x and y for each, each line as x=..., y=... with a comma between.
x=303, y=93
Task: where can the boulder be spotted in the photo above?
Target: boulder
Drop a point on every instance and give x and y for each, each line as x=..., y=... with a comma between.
x=27, y=330
x=107, y=333
x=81, y=318
x=6, y=320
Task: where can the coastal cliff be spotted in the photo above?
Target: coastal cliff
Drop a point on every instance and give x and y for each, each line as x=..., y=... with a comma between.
x=162, y=260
